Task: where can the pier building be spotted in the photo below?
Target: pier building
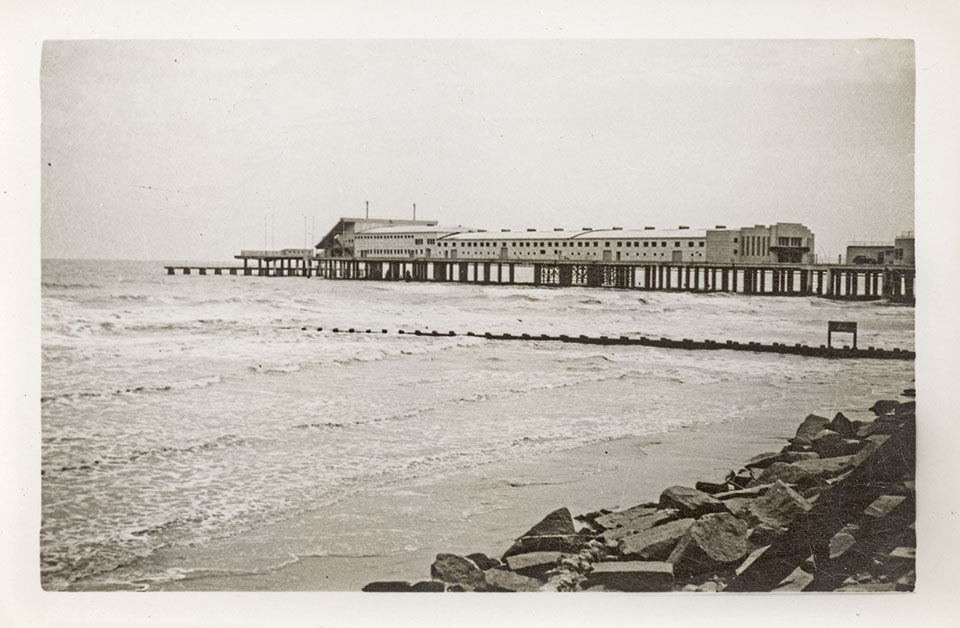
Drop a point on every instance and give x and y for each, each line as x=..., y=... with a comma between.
x=340, y=241
x=410, y=240
x=900, y=253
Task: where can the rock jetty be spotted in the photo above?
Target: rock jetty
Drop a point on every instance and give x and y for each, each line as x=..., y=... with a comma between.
x=834, y=510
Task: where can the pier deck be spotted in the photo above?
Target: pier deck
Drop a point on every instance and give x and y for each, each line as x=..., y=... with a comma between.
x=835, y=281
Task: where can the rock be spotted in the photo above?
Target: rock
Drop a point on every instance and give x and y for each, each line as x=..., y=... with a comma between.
x=428, y=586
x=762, y=461
x=883, y=506
x=534, y=564
x=777, y=507
x=829, y=444
x=754, y=491
x=390, y=586
x=483, y=562
x=639, y=524
x=765, y=534
x=618, y=519
x=554, y=533
x=713, y=541
x=824, y=467
x=568, y=543
x=884, y=406
x=503, y=580
x=788, y=473
x=454, y=569
x=809, y=428
x=840, y=543
x=798, y=580
x=558, y=522
x=655, y=543
x=736, y=505
x=633, y=575
x=749, y=560
x=842, y=425
x=689, y=501
x=906, y=410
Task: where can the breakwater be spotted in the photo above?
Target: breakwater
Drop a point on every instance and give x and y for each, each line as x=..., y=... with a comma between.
x=823, y=351
x=833, y=510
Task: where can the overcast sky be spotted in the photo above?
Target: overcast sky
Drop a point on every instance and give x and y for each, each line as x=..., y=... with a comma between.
x=179, y=149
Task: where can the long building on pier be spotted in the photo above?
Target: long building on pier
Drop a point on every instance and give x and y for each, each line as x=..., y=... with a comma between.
x=365, y=239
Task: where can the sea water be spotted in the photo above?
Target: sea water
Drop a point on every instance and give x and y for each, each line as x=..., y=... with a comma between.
x=180, y=412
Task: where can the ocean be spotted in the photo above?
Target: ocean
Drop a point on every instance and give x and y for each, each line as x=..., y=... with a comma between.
x=185, y=416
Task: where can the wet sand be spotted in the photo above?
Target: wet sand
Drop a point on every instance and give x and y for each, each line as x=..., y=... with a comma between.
x=506, y=498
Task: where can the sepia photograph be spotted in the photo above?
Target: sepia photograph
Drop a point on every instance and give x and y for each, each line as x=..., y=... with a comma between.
x=381, y=302
x=354, y=315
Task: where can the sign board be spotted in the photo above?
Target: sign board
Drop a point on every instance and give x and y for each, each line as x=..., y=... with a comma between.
x=849, y=327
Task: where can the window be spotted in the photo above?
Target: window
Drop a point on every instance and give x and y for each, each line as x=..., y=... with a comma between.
x=689, y=243
x=645, y=244
x=735, y=240
x=663, y=244
x=702, y=243
x=596, y=244
x=619, y=244
x=676, y=244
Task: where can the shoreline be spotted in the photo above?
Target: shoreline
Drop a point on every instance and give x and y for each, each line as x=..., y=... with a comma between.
x=611, y=474
x=832, y=510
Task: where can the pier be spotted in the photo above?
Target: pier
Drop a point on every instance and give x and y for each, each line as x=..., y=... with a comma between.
x=832, y=281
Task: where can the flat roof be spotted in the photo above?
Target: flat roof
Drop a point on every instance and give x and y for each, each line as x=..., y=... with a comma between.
x=567, y=234
x=395, y=229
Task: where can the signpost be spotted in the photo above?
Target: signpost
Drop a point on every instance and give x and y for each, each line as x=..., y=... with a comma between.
x=849, y=327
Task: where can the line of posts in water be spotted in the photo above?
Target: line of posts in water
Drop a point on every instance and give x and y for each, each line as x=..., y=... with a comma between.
x=842, y=282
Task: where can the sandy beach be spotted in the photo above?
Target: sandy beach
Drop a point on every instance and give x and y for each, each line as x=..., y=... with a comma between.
x=507, y=499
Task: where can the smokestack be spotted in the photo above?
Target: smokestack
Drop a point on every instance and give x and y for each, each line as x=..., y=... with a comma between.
x=414, y=211
x=368, y=210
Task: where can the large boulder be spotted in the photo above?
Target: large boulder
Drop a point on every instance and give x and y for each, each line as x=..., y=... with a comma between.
x=390, y=586
x=633, y=575
x=809, y=428
x=829, y=444
x=483, y=561
x=503, y=580
x=454, y=569
x=906, y=410
x=788, y=473
x=842, y=425
x=824, y=467
x=884, y=406
x=558, y=522
x=690, y=502
x=777, y=507
x=640, y=524
x=554, y=533
x=655, y=543
x=714, y=541
x=623, y=517
x=534, y=564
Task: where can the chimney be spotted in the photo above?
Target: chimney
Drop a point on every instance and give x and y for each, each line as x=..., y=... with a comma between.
x=720, y=227
x=367, y=215
x=414, y=211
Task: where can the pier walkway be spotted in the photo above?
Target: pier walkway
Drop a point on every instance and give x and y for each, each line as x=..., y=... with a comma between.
x=836, y=281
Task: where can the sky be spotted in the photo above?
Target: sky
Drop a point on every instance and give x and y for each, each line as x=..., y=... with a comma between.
x=195, y=149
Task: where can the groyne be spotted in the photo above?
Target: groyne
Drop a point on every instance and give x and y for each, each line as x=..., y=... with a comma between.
x=822, y=351
x=833, y=510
